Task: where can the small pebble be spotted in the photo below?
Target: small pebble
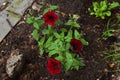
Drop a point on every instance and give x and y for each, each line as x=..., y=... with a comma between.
x=113, y=75
x=35, y=6
x=4, y=3
x=105, y=70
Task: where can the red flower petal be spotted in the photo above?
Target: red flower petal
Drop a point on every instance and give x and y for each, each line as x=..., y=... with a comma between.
x=76, y=45
x=53, y=66
x=50, y=18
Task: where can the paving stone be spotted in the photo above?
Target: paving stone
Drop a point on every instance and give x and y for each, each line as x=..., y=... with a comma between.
x=11, y=15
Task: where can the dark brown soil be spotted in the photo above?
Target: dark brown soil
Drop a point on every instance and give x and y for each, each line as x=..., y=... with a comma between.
x=34, y=69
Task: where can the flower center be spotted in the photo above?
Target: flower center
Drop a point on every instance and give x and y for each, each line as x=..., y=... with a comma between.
x=74, y=46
x=51, y=18
x=55, y=65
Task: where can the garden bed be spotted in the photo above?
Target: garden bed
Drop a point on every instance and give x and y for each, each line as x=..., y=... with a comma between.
x=20, y=37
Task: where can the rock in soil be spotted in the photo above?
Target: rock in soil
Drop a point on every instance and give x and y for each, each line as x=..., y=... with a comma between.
x=14, y=63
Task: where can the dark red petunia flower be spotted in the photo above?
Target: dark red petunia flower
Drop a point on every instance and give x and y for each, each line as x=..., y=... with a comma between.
x=76, y=45
x=53, y=66
x=50, y=18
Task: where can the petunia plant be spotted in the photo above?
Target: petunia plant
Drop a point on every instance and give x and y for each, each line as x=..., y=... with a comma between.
x=61, y=44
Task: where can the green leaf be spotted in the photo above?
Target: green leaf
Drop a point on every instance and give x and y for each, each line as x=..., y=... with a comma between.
x=58, y=22
x=76, y=34
x=37, y=24
x=70, y=33
x=41, y=42
x=103, y=5
x=31, y=19
x=41, y=51
x=69, y=23
x=108, y=13
x=60, y=44
x=63, y=30
x=35, y=34
x=56, y=35
x=49, y=41
x=51, y=30
x=68, y=65
x=72, y=22
x=45, y=31
x=69, y=36
x=95, y=6
x=108, y=33
x=84, y=42
x=62, y=35
x=67, y=46
x=60, y=58
x=76, y=25
x=102, y=17
x=111, y=56
x=90, y=11
x=69, y=61
x=113, y=5
x=77, y=64
x=53, y=46
x=46, y=10
x=67, y=39
x=53, y=52
x=118, y=18
x=53, y=7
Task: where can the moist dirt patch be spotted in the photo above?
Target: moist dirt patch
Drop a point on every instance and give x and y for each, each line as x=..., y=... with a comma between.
x=35, y=66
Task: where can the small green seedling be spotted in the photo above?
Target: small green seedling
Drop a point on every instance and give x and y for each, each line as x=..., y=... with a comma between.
x=113, y=54
x=108, y=32
x=110, y=29
x=102, y=9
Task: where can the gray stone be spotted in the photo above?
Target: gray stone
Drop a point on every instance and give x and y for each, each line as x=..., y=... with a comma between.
x=11, y=15
x=14, y=63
